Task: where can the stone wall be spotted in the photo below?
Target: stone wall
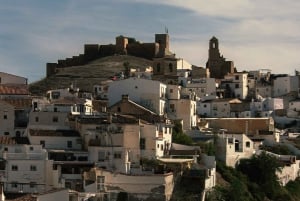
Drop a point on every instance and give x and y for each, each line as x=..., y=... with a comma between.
x=124, y=45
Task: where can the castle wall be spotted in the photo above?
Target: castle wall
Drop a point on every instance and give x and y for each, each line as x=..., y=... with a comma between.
x=144, y=50
x=91, y=51
x=107, y=50
x=50, y=69
x=124, y=45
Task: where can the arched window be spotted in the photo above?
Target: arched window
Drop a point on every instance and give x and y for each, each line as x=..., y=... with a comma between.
x=170, y=67
x=158, y=67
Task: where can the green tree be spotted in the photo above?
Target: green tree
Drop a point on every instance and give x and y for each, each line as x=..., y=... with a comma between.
x=261, y=169
x=178, y=136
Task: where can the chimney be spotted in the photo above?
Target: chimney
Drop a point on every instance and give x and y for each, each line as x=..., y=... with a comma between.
x=125, y=97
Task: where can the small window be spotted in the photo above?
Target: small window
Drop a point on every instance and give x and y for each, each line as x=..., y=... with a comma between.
x=236, y=86
x=31, y=148
x=55, y=119
x=5, y=149
x=170, y=67
x=6, y=133
x=42, y=142
x=236, y=77
x=171, y=90
x=100, y=183
x=142, y=143
x=5, y=116
x=14, y=185
x=158, y=67
x=117, y=155
x=69, y=144
x=55, y=109
x=248, y=144
x=32, y=168
x=14, y=168
x=119, y=109
x=32, y=184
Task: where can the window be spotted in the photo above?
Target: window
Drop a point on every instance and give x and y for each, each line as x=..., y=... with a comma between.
x=42, y=142
x=117, y=155
x=69, y=144
x=31, y=148
x=171, y=90
x=204, y=106
x=170, y=67
x=161, y=147
x=119, y=109
x=5, y=116
x=158, y=67
x=236, y=77
x=172, y=107
x=14, y=168
x=32, y=168
x=142, y=143
x=247, y=144
x=101, y=156
x=14, y=185
x=100, y=183
x=55, y=109
x=32, y=184
x=55, y=119
x=236, y=86
x=6, y=133
x=5, y=149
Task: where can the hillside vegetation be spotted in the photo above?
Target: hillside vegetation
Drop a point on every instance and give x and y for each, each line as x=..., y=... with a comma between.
x=88, y=75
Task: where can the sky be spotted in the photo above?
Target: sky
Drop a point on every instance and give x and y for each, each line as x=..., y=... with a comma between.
x=255, y=34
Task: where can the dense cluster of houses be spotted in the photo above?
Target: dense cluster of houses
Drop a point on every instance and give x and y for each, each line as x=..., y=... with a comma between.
x=117, y=139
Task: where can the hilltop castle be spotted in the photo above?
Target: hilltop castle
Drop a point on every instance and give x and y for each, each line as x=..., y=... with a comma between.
x=123, y=46
x=164, y=61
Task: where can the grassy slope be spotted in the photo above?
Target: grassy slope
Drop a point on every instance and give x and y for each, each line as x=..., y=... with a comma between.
x=88, y=75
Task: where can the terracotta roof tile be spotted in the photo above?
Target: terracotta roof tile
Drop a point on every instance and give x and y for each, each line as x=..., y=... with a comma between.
x=14, y=90
x=20, y=103
x=7, y=140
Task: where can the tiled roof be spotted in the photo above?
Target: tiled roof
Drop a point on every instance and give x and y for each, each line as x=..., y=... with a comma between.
x=27, y=197
x=54, y=133
x=7, y=140
x=68, y=101
x=20, y=103
x=14, y=90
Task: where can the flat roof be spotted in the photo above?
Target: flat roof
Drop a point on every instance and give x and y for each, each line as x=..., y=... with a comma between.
x=176, y=160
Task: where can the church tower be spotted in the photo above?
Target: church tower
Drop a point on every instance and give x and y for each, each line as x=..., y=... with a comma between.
x=216, y=63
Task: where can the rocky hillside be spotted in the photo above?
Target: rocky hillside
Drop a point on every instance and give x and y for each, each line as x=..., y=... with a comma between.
x=88, y=75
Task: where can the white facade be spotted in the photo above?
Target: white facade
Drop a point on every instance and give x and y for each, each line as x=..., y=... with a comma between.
x=28, y=169
x=48, y=120
x=122, y=150
x=205, y=88
x=52, y=139
x=204, y=108
x=221, y=107
x=184, y=109
x=264, y=91
x=139, y=186
x=7, y=119
x=238, y=84
x=285, y=85
x=148, y=93
x=6, y=78
x=233, y=147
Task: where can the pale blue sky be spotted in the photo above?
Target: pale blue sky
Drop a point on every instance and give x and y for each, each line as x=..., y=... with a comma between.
x=253, y=33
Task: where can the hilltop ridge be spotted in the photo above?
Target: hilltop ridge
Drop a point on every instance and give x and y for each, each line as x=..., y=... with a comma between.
x=85, y=76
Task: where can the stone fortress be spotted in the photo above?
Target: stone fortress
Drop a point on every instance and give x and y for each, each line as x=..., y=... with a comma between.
x=123, y=46
x=164, y=61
